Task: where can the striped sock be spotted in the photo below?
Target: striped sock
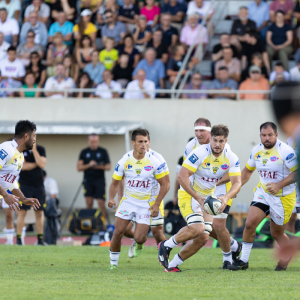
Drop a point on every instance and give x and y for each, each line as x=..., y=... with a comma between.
x=227, y=256
x=246, y=249
x=171, y=243
x=233, y=245
x=176, y=261
x=114, y=258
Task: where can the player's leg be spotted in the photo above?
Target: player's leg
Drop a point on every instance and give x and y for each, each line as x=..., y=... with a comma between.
x=39, y=193
x=99, y=188
x=10, y=229
x=158, y=233
x=21, y=224
x=129, y=232
x=88, y=190
x=290, y=226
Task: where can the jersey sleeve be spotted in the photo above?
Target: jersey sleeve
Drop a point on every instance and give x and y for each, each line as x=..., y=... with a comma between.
x=159, y=168
x=192, y=162
x=4, y=155
x=290, y=159
x=42, y=151
x=251, y=162
x=119, y=169
x=234, y=168
x=163, y=161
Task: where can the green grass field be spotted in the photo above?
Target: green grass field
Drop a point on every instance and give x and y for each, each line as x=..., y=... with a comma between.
x=33, y=272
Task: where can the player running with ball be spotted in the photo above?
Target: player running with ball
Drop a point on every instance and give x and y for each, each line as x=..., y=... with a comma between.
x=207, y=164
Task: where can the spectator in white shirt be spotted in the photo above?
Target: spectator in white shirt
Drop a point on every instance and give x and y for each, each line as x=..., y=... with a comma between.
x=13, y=8
x=279, y=69
x=41, y=8
x=60, y=82
x=3, y=47
x=200, y=7
x=133, y=90
x=9, y=27
x=295, y=73
x=51, y=187
x=104, y=89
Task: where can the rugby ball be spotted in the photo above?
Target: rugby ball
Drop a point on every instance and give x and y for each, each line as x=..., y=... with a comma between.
x=212, y=205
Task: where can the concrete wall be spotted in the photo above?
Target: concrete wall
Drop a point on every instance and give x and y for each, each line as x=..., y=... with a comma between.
x=170, y=123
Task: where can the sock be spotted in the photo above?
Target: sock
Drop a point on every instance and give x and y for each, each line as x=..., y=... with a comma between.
x=171, y=243
x=40, y=236
x=10, y=235
x=23, y=235
x=227, y=256
x=176, y=261
x=246, y=249
x=18, y=236
x=114, y=258
x=233, y=245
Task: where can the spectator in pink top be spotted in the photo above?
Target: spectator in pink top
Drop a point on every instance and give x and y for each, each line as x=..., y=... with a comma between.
x=287, y=6
x=190, y=31
x=151, y=12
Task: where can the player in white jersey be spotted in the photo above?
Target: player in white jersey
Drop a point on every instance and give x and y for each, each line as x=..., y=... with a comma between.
x=141, y=171
x=207, y=164
x=276, y=163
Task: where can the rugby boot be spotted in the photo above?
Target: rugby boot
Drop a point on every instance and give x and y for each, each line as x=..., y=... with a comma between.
x=238, y=265
x=163, y=254
x=226, y=264
x=131, y=249
x=236, y=254
x=138, y=249
x=172, y=270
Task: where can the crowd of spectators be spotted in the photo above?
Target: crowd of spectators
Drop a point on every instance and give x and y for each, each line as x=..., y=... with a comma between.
x=134, y=45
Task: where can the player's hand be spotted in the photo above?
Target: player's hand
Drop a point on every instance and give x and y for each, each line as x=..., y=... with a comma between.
x=154, y=210
x=12, y=201
x=31, y=202
x=201, y=200
x=273, y=188
x=224, y=203
x=92, y=163
x=111, y=203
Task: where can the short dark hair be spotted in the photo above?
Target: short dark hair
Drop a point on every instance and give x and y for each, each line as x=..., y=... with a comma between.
x=30, y=31
x=243, y=7
x=279, y=64
x=23, y=127
x=93, y=134
x=137, y=132
x=268, y=124
x=203, y=120
x=279, y=11
x=223, y=68
x=158, y=29
x=220, y=130
x=11, y=48
x=148, y=134
x=3, y=9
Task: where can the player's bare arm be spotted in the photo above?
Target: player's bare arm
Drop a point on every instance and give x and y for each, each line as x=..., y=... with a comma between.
x=10, y=199
x=225, y=179
x=113, y=189
x=246, y=174
x=162, y=193
x=274, y=187
x=27, y=201
x=39, y=160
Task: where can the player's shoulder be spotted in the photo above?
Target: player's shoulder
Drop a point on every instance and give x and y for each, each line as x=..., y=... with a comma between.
x=190, y=146
x=156, y=154
x=286, y=151
x=257, y=148
x=200, y=152
x=7, y=149
x=290, y=141
x=128, y=154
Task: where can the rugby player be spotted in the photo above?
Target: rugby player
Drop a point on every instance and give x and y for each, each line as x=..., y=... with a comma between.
x=276, y=163
x=141, y=171
x=206, y=164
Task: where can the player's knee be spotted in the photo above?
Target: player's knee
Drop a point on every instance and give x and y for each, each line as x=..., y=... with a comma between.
x=140, y=239
x=249, y=226
x=276, y=234
x=200, y=241
x=196, y=229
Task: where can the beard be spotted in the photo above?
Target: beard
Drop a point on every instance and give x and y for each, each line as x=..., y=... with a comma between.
x=29, y=145
x=269, y=146
x=214, y=152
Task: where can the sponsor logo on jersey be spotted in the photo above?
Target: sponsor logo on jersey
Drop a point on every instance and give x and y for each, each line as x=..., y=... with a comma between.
x=123, y=213
x=148, y=168
x=216, y=160
x=193, y=158
x=138, y=162
x=215, y=169
x=237, y=163
x=117, y=167
x=209, y=179
x=98, y=155
x=138, y=171
x=9, y=178
x=88, y=155
x=291, y=155
x=275, y=215
x=274, y=158
x=161, y=166
x=139, y=183
x=224, y=167
x=129, y=166
x=3, y=154
x=268, y=174
x=265, y=161
x=206, y=166
x=19, y=167
x=257, y=156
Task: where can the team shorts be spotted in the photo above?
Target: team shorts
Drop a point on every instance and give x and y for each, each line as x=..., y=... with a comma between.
x=159, y=220
x=132, y=208
x=34, y=192
x=279, y=208
x=95, y=189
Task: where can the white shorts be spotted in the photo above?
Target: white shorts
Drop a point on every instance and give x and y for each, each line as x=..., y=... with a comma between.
x=4, y=204
x=132, y=208
x=221, y=191
x=280, y=208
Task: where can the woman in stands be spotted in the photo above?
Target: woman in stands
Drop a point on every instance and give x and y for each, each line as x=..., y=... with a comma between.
x=84, y=51
x=72, y=69
x=128, y=48
x=37, y=68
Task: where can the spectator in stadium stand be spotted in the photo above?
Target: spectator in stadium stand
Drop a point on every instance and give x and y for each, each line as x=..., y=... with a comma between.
x=297, y=53
x=83, y=51
x=177, y=11
x=197, y=85
x=51, y=187
x=9, y=27
x=154, y=68
x=223, y=82
x=170, y=34
x=287, y=6
x=128, y=48
x=201, y=8
x=142, y=34
x=93, y=6
x=129, y=14
x=190, y=31
x=295, y=72
x=258, y=11
x=142, y=3
x=68, y=7
x=95, y=69
x=296, y=16
x=232, y=63
x=240, y=27
x=256, y=60
x=3, y=47
x=253, y=44
x=279, y=40
x=160, y=47
x=29, y=84
x=64, y=27
x=279, y=69
x=109, y=55
x=84, y=82
x=255, y=83
x=279, y=79
x=140, y=83
x=104, y=88
x=151, y=12
x=12, y=7
x=41, y=8
x=39, y=28
x=115, y=29
x=25, y=49
x=60, y=82
x=72, y=69
x=122, y=72
x=85, y=27
x=37, y=68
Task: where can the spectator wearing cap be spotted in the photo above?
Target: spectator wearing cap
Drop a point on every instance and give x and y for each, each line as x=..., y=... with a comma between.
x=170, y=34
x=9, y=27
x=12, y=7
x=256, y=60
x=240, y=27
x=85, y=27
x=95, y=69
x=233, y=64
x=286, y=6
x=39, y=28
x=278, y=69
x=129, y=14
x=295, y=72
x=41, y=8
x=255, y=83
x=3, y=47
x=279, y=40
x=177, y=11
x=200, y=7
x=258, y=11
x=160, y=47
x=133, y=90
x=196, y=85
x=190, y=31
x=224, y=83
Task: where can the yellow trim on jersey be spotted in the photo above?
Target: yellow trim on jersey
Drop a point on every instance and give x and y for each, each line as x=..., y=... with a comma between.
x=184, y=158
x=117, y=177
x=235, y=174
x=189, y=167
x=250, y=168
x=0, y=167
x=158, y=176
x=167, y=173
x=288, y=203
x=294, y=168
